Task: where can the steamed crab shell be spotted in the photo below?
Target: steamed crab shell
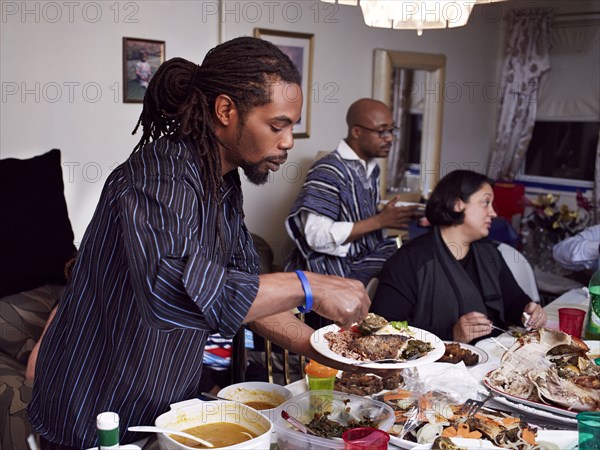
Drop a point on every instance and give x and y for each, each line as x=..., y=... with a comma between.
x=541, y=341
x=564, y=392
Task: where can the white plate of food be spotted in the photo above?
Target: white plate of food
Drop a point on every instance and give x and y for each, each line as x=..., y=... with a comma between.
x=546, y=439
x=470, y=355
x=531, y=406
x=460, y=442
x=344, y=340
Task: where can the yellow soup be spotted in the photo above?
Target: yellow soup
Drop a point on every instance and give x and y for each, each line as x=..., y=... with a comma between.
x=261, y=405
x=221, y=434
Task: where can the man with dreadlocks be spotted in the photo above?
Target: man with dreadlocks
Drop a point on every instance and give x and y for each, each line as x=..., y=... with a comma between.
x=167, y=259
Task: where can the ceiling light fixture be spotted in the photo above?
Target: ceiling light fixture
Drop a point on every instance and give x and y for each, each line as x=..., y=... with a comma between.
x=414, y=14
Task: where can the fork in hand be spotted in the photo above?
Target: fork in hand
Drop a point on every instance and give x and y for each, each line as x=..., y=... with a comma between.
x=472, y=407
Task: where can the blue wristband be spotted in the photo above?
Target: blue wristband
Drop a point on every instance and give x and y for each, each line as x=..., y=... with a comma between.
x=308, y=297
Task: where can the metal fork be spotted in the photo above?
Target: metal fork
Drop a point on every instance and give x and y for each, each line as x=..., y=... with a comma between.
x=472, y=407
x=380, y=361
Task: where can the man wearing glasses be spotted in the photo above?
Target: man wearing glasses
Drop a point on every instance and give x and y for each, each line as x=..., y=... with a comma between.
x=335, y=221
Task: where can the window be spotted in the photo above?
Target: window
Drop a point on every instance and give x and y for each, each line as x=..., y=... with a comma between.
x=563, y=150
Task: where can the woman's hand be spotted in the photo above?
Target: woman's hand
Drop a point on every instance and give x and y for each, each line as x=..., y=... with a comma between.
x=537, y=315
x=471, y=326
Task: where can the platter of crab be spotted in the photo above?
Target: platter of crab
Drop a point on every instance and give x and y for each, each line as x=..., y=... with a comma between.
x=549, y=370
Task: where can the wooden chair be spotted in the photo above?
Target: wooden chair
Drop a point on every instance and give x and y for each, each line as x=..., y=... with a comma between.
x=239, y=357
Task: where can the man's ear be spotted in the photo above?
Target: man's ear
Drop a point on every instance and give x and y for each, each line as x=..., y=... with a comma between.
x=225, y=109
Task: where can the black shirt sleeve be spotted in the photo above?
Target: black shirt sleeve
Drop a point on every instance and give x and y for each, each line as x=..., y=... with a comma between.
x=396, y=294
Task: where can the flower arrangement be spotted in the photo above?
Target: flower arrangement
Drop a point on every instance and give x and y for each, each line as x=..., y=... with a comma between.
x=558, y=222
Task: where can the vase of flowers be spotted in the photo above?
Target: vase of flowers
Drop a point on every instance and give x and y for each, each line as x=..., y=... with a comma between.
x=549, y=223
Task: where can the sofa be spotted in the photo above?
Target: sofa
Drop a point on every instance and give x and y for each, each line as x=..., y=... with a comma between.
x=36, y=241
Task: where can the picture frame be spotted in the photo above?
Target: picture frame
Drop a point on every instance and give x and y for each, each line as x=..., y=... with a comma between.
x=299, y=47
x=141, y=59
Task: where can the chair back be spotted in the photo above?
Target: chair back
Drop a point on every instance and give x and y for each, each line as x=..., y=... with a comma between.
x=372, y=287
x=521, y=270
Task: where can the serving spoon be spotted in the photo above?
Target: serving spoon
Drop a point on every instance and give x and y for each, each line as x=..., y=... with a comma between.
x=151, y=429
x=296, y=423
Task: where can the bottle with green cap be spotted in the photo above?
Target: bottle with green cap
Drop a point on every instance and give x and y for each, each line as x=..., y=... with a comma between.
x=592, y=321
x=107, y=424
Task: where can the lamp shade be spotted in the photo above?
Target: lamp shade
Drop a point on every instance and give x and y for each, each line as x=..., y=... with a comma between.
x=415, y=14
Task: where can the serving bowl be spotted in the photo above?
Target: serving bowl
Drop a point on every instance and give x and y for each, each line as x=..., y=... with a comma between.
x=194, y=412
x=342, y=408
x=258, y=395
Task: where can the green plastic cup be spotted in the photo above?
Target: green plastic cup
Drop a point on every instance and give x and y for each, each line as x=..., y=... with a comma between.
x=588, y=426
x=320, y=384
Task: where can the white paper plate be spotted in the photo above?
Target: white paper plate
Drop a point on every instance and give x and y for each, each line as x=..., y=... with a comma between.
x=483, y=356
x=494, y=347
x=554, y=439
x=321, y=345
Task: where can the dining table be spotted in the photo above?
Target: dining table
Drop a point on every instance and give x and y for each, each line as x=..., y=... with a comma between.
x=494, y=348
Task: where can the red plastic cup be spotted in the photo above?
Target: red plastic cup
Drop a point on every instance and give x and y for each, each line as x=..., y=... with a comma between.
x=570, y=320
x=365, y=439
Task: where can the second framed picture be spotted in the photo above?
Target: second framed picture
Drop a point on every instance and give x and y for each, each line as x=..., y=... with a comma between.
x=299, y=47
x=141, y=59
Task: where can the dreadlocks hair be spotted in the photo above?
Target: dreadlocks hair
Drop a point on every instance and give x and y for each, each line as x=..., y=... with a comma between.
x=181, y=96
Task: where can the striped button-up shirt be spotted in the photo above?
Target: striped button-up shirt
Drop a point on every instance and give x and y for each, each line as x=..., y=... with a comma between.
x=162, y=265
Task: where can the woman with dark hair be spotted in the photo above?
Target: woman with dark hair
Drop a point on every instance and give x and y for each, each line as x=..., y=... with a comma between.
x=452, y=281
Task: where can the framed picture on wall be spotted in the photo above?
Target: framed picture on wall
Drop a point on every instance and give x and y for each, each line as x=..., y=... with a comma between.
x=141, y=59
x=299, y=47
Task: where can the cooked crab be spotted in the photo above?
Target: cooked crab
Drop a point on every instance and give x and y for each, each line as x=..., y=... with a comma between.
x=552, y=367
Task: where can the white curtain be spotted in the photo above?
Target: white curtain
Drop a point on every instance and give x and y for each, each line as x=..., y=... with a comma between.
x=527, y=58
x=570, y=91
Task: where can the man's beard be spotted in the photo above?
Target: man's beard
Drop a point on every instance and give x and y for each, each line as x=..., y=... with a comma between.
x=254, y=174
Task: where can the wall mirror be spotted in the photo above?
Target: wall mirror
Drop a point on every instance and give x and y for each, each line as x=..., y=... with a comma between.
x=411, y=84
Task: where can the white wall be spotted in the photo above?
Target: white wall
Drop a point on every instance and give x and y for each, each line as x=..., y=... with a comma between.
x=41, y=51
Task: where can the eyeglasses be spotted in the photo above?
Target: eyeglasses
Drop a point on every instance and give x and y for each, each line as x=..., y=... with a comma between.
x=383, y=134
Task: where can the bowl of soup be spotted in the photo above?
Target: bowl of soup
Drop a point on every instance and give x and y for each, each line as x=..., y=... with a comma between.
x=225, y=424
x=262, y=396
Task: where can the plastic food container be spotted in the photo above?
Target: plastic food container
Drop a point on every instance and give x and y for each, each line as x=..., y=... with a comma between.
x=258, y=391
x=342, y=407
x=194, y=412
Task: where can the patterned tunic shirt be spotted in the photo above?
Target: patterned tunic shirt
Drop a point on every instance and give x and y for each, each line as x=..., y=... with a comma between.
x=161, y=266
x=339, y=189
